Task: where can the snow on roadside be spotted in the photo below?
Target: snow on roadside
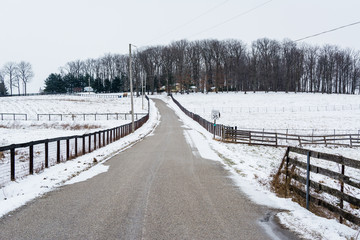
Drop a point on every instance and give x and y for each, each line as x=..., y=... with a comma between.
x=251, y=167
x=15, y=194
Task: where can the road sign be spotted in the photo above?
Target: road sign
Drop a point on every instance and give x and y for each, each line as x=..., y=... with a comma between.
x=215, y=114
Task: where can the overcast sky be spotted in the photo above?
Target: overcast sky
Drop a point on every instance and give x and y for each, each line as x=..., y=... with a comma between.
x=49, y=33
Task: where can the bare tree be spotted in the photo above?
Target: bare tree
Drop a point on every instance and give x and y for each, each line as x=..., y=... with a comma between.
x=10, y=70
x=25, y=73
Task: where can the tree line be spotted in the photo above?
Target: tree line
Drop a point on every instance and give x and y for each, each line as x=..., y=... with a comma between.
x=15, y=76
x=214, y=65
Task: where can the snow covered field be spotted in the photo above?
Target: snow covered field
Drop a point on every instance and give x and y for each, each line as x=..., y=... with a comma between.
x=300, y=113
x=20, y=131
x=254, y=166
x=34, y=128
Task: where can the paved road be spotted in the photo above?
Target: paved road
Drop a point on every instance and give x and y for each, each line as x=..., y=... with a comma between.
x=155, y=190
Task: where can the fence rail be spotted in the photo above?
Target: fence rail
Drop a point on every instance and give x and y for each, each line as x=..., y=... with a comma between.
x=13, y=116
x=71, y=116
x=231, y=134
x=209, y=126
x=19, y=160
x=275, y=109
x=86, y=116
x=318, y=186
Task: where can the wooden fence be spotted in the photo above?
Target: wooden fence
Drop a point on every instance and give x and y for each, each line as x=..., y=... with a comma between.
x=19, y=160
x=86, y=116
x=13, y=116
x=300, y=182
x=42, y=153
x=75, y=116
x=232, y=134
x=209, y=126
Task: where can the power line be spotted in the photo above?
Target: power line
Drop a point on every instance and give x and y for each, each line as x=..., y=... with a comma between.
x=190, y=21
x=331, y=30
x=232, y=18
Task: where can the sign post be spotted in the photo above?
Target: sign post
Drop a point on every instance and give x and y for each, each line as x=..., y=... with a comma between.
x=215, y=114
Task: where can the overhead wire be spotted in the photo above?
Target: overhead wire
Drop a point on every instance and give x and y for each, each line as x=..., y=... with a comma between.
x=331, y=30
x=190, y=21
x=232, y=18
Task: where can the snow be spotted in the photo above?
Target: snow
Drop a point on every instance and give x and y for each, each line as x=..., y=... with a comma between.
x=20, y=131
x=252, y=166
x=300, y=113
x=15, y=194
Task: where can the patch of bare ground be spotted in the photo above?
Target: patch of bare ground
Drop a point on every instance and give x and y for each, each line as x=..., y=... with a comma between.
x=79, y=126
x=65, y=126
x=74, y=100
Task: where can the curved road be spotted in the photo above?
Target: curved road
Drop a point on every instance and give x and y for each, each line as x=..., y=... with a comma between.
x=156, y=189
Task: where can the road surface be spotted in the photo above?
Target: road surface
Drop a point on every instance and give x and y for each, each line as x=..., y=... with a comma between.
x=157, y=189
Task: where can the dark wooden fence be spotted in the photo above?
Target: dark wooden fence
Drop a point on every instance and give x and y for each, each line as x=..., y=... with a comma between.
x=27, y=158
x=209, y=126
x=19, y=160
x=233, y=135
x=297, y=180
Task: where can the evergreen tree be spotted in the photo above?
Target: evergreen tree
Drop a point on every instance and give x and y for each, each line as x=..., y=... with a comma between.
x=55, y=84
x=116, y=85
x=3, y=89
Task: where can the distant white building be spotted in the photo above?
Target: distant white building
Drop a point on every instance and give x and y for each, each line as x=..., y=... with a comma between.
x=88, y=89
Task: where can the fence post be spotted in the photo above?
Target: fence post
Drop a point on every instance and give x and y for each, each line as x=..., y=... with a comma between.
x=325, y=141
x=31, y=159
x=89, y=143
x=83, y=145
x=287, y=132
x=342, y=190
x=46, y=154
x=103, y=143
x=58, y=152
x=94, y=141
x=12, y=163
x=76, y=146
x=308, y=180
x=286, y=170
x=67, y=149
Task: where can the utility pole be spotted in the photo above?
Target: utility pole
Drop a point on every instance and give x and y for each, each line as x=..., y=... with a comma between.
x=131, y=91
x=142, y=90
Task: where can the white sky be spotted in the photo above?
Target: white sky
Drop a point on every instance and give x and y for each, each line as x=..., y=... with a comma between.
x=49, y=33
